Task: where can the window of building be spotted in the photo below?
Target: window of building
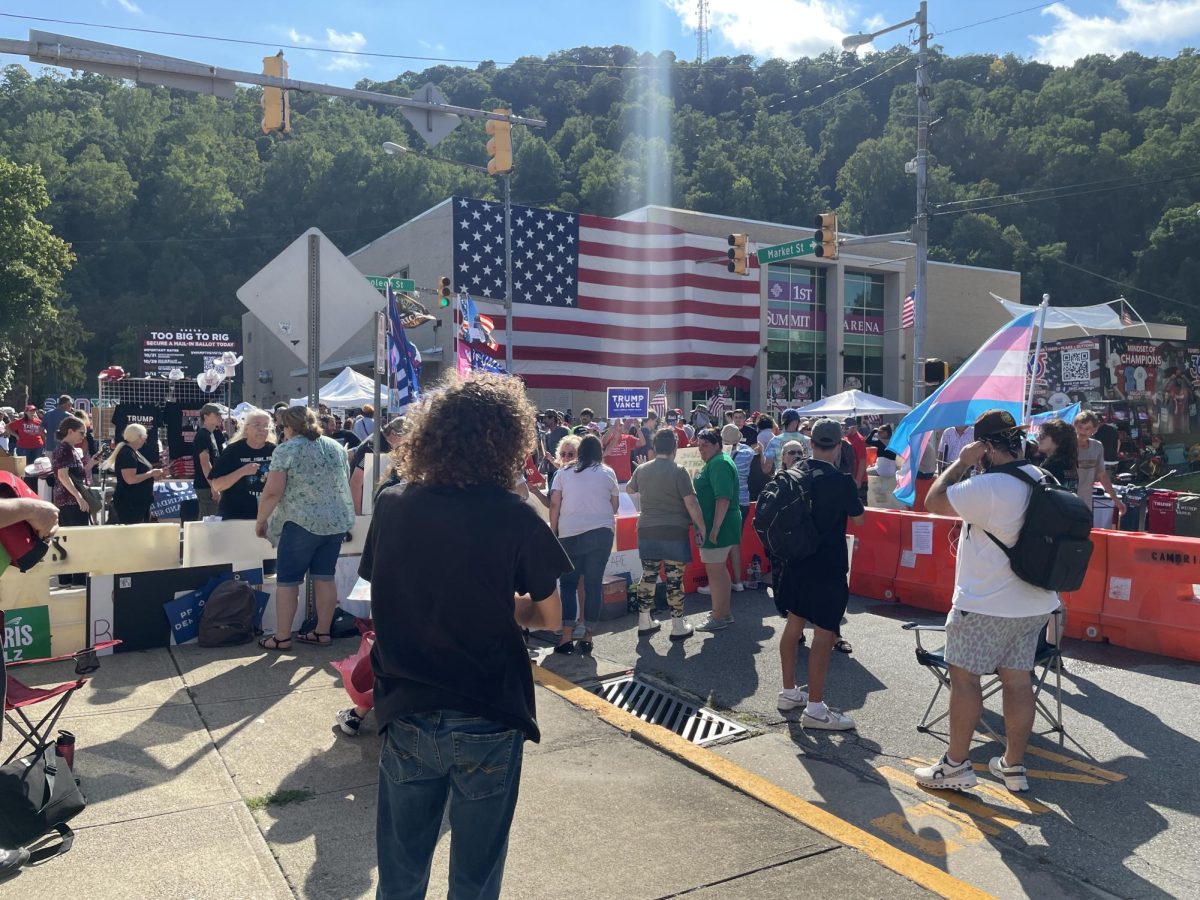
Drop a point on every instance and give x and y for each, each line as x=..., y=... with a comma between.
x=796, y=359
x=862, y=359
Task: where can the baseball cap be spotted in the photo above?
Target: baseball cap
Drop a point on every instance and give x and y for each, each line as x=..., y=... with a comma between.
x=826, y=433
x=791, y=415
x=995, y=423
x=31, y=408
x=850, y=422
x=731, y=434
x=211, y=409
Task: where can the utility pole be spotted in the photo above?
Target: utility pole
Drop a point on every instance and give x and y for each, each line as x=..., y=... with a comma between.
x=508, y=289
x=921, y=284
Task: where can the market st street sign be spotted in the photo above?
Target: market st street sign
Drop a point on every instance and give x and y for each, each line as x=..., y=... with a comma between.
x=782, y=252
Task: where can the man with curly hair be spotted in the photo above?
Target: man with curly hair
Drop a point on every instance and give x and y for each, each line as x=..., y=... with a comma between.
x=457, y=565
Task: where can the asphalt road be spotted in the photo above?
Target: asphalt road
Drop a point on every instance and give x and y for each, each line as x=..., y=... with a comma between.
x=1114, y=811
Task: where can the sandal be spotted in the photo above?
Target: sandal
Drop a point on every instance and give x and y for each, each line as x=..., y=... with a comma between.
x=843, y=646
x=565, y=647
x=275, y=643
x=583, y=646
x=315, y=638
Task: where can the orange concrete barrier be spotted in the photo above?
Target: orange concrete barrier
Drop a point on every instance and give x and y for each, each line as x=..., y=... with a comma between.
x=876, y=554
x=925, y=572
x=1084, y=605
x=1152, y=594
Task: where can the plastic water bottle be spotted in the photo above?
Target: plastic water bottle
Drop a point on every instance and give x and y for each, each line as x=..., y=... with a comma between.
x=754, y=572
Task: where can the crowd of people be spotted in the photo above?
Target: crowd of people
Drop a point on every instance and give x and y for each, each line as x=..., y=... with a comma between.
x=453, y=689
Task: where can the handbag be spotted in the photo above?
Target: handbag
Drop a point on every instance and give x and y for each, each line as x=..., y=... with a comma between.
x=91, y=496
x=38, y=796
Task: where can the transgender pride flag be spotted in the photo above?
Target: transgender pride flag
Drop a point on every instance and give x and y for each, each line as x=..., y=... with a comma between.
x=994, y=378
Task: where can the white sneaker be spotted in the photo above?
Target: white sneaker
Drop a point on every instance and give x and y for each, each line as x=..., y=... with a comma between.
x=833, y=720
x=737, y=587
x=1014, y=777
x=646, y=624
x=680, y=629
x=704, y=589
x=791, y=698
x=943, y=776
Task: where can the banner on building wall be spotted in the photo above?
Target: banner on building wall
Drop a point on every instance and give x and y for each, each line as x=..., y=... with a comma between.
x=1068, y=371
x=189, y=349
x=1163, y=374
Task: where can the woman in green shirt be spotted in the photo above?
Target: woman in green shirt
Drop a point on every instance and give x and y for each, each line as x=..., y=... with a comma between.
x=717, y=490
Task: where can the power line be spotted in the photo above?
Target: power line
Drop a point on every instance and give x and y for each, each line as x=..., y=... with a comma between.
x=1065, y=196
x=367, y=53
x=1055, y=188
x=1018, y=12
x=1063, y=262
x=856, y=87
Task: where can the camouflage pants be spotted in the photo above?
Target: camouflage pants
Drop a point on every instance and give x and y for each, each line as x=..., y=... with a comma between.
x=646, y=586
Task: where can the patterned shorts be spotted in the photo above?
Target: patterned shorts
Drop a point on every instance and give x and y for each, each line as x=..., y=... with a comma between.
x=982, y=644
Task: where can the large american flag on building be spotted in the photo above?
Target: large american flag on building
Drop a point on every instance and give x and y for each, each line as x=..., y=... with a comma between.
x=602, y=302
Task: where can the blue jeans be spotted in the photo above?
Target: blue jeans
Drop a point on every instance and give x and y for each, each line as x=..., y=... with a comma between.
x=589, y=555
x=428, y=759
x=300, y=551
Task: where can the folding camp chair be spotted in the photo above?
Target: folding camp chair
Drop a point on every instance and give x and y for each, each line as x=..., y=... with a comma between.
x=18, y=696
x=1048, y=660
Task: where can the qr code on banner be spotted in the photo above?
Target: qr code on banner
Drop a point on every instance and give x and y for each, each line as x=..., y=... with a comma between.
x=1076, y=368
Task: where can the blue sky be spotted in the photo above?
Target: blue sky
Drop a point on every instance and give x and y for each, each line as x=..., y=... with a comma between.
x=470, y=29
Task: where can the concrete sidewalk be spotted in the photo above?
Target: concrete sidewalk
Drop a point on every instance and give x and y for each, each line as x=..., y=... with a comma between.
x=218, y=773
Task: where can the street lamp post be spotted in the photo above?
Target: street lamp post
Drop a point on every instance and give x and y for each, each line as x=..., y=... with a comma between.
x=392, y=149
x=921, y=226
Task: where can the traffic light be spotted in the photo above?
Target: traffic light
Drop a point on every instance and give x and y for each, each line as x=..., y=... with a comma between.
x=276, y=113
x=936, y=371
x=737, y=253
x=443, y=292
x=499, y=148
x=826, y=236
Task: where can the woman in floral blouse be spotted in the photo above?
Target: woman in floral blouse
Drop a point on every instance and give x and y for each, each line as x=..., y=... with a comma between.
x=305, y=510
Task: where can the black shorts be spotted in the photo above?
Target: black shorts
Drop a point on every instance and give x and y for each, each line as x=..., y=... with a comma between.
x=817, y=597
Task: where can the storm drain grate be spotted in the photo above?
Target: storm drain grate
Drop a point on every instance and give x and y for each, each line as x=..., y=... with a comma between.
x=697, y=724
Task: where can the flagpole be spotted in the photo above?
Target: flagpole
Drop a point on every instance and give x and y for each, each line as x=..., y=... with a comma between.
x=1037, y=352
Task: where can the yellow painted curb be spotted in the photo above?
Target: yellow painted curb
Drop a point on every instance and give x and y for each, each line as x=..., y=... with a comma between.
x=718, y=767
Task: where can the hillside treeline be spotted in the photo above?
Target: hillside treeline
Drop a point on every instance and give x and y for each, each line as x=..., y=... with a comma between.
x=169, y=200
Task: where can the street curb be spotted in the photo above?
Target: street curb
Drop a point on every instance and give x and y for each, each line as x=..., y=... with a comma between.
x=755, y=786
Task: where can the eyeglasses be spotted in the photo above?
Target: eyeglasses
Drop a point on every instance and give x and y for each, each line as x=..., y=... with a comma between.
x=792, y=453
x=568, y=456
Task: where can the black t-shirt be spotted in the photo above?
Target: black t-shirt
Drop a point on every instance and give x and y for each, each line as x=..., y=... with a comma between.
x=553, y=436
x=881, y=450
x=240, y=500
x=834, y=499
x=141, y=493
x=445, y=636
x=346, y=438
x=146, y=414
x=1109, y=438
x=213, y=442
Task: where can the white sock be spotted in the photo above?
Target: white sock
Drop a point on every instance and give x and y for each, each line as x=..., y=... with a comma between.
x=817, y=710
x=951, y=763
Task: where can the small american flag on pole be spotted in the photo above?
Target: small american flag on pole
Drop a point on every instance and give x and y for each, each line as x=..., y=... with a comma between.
x=908, y=312
x=717, y=405
x=1126, y=318
x=659, y=402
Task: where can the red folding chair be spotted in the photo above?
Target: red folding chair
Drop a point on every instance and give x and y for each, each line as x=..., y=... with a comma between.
x=18, y=696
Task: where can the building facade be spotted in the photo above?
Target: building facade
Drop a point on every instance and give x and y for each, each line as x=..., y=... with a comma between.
x=825, y=325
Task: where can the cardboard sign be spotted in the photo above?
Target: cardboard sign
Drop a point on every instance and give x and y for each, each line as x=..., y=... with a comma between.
x=624, y=402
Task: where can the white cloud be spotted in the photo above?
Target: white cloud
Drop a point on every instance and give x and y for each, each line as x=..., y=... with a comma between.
x=1139, y=24
x=129, y=6
x=336, y=40
x=770, y=28
x=433, y=48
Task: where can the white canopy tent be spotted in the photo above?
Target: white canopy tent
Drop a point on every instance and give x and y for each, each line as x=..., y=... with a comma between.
x=854, y=403
x=346, y=390
x=1102, y=317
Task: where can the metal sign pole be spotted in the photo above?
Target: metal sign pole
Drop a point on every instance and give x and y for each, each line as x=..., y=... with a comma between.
x=508, y=291
x=314, y=369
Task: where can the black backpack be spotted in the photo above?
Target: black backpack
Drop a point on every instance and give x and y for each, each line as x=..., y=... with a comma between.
x=38, y=796
x=1055, y=545
x=228, y=616
x=783, y=515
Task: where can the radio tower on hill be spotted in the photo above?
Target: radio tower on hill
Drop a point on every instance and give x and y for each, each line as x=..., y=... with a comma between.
x=701, y=31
